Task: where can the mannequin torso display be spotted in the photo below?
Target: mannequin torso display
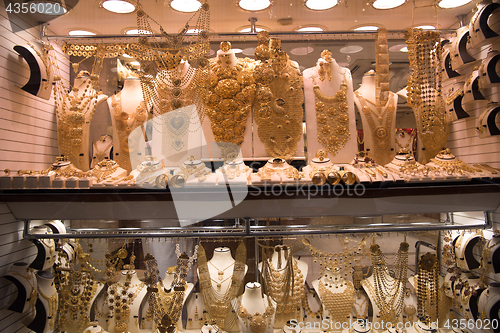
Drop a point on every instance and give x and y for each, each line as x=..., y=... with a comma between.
x=464, y=247
x=255, y=311
x=74, y=114
x=473, y=97
x=128, y=111
x=47, y=294
x=483, y=26
x=24, y=279
x=488, y=305
x=177, y=125
x=487, y=121
x=101, y=149
x=105, y=171
x=329, y=107
x=337, y=296
x=132, y=290
x=490, y=257
x=378, y=123
x=220, y=280
x=454, y=101
x=46, y=250
x=224, y=124
x=461, y=60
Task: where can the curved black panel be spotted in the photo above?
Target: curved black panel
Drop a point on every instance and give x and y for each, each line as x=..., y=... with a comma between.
x=462, y=49
x=447, y=65
x=483, y=20
x=19, y=302
x=492, y=126
x=40, y=320
x=40, y=256
x=35, y=81
x=475, y=90
x=457, y=107
x=492, y=71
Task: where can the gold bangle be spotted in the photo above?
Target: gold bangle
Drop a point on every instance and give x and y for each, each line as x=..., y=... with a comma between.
x=333, y=178
x=178, y=181
x=348, y=177
x=318, y=178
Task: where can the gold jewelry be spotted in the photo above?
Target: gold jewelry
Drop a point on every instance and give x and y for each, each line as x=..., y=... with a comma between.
x=257, y=322
x=218, y=305
x=278, y=103
x=424, y=89
x=450, y=164
x=125, y=124
x=104, y=169
x=338, y=304
x=427, y=287
x=101, y=155
x=52, y=304
x=379, y=120
x=360, y=309
x=332, y=117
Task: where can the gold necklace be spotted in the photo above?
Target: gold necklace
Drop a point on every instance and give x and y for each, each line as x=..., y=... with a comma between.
x=380, y=122
x=104, y=169
x=120, y=300
x=427, y=286
x=278, y=103
x=229, y=100
x=332, y=117
x=220, y=272
x=453, y=164
x=101, y=155
x=307, y=307
x=258, y=322
x=125, y=123
x=360, y=309
x=337, y=304
x=218, y=305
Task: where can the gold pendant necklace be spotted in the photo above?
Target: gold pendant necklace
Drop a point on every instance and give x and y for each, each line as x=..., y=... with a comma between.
x=338, y=304
x=258, y=322
x=332, y=117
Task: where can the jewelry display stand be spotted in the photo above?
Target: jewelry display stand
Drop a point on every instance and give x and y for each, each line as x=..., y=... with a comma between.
x=336, y=295
x=48, y=296
x=405, y=139
x=134, y=293
x=453, y=101
x=95, y=329
x=487, y=121
x=461, y=60
x=81, y=159
x=147, y=172
x=46, y=250
x=224, y=62
x=379, y=125
x=255, y=311
x=484, y=25
x=489, y=79
x=367, y=170
x=177, y=132
x=448, y=166
x=321, y=170
x=473, y=98
x=464, y=251
x=276, y=170
x=489, y=304
x=22, y=276
x=101, y=149
x=325, y=117
x=191, y=171
x=105, y=171
x=233, y=172
x=469, y=297
x=195, y=312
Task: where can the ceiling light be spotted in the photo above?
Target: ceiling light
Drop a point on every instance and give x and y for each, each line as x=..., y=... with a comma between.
x=48, y=7
x=366, y=28
x=134, y=31
x=81, y=33
x=118, y=6
x=301, y=50
x=404, y=49
x=351, y=49
x=397, y=47
x=126, y=55
x=320, y=4
x=254, y=5
x=185, y=6
x=387, y=4
x=310, y=28
x=426, y=27
x=247, y=29
x=135, y=63
x=452, y=3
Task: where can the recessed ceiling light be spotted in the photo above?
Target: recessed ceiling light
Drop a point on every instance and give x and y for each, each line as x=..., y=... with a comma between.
x=52, y=8
x=366, y=28
x=126, y=56
x=185, y=6
x=387, y=4
x=135, y=31
x=452, y=3
x=310, y=28
x=426, y=27
x=301, y=50
x=397, y=47
x=254, y=5
x=404, y=49
x=320, y=4
x=247, y=29
x=118, y=6
x=351, y=49
x=81, y=33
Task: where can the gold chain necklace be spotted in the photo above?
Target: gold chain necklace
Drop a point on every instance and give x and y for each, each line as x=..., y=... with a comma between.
x=120, y=300
x=332, y=117
x=278, y=104
x=360, y=309
x=380, y=122
x=104, y=169
x=125, y=123
x=258, y=322
x=218, y=305
x=338, y=304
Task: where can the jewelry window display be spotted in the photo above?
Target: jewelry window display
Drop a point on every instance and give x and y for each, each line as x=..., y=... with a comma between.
x=278, y=103
x=322, y=170
x=406, y=167
x=255, y=311
x=278, y=170
x=101, y=150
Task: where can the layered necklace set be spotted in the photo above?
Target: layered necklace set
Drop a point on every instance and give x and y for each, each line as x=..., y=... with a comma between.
x=332, y=112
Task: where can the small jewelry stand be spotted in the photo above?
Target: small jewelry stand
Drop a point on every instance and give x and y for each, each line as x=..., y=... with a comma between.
x=473, y=97
x=367, y=170
x=255, y=314
x=450, y=167
x=22, y=276
x=405, y=167
x=321, y=170
x=147, y=172
x=276, y=170
x=234, y=173
x=46, y=252
x=102, y=150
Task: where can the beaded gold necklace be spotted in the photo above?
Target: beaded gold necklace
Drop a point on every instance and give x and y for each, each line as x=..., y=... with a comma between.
x=258, y=322
x=380, y=122
x=332, y=117
x=125, y=123
x=338, y=304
